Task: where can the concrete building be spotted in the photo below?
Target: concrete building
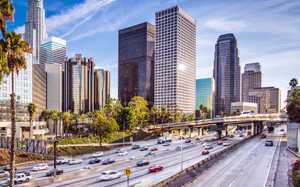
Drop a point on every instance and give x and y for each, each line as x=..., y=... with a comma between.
x=175, y=60
x=102, y=88
x=205, y=90
x=23, y=90
x=227, y=72
x=268, y=99
x=53, y=50
x=54, y=86
x=243, y=107
x=39, y=88
x=136, y=62
x=78, y=84
x=251, y=78
x=35, y=26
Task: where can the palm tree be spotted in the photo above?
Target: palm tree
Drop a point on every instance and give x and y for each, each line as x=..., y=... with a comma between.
x=6, y=14
x=293, y=83
x=31, y=109
x=67, y=117
x=13, y=50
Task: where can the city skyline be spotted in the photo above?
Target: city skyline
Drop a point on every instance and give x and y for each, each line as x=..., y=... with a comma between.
x=274, y=52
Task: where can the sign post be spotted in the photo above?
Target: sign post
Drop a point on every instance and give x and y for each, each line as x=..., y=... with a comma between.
x=127, y=172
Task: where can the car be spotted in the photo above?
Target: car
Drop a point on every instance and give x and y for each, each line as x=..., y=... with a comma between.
x=144, y=148
x=142, y=163
x=22, y=178
x=4, y=183
x=188, y=140
x=282, y=130
x=241, y=135
x=181, y=138
x=4, y=174
x=262, y=136
x=226, y=144
x=166, y=144
x=168, y=139
x=27, y=173
x=75, y=161
x=134, y=147
x=62, y=160
x=220, y=142
x=96, y=155
x=155, y=168
x=231, y=136
x=119, y=150
x=269, y=143
x=207, y=147
x=132, y=158
x=110, y=175
x=51, y=172
x=123, y=153
x=40, y=167
x=153, y=149
x=108, y=161
x=161, y=140
x=205, y=152
x=149, y=154
x=94, y=160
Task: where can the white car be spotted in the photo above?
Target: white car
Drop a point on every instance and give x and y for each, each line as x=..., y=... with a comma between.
x=75, y=161
x=40, y=167
x=96, y=155
x=4, y=174
x=62, y=161
x=123, y=153
x=22, y=177
x=110, y=175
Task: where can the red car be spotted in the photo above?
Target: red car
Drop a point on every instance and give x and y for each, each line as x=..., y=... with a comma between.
x=155, y=168
x=153, y=149
x=220, y=142
x=205, y=152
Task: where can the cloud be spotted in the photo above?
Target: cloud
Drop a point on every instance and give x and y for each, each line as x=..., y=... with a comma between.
x=20, y=30
x=220, y=24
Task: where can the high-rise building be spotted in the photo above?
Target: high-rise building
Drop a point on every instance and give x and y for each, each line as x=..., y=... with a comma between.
x=102, y=88
x=53, y=50
x=78, y=84
x=23, y=90
x=251, y=78
x=175, y=60
x=54, y=86
x=268, y=99
x=39, y=87
x=205, y=94
x=227, y=72
x=35, y=26
x=136, y=62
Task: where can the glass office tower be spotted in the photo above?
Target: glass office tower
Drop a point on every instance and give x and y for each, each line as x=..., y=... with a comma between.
x=205, y=94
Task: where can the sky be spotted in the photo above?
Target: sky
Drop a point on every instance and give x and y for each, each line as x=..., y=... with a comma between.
x=268, y=31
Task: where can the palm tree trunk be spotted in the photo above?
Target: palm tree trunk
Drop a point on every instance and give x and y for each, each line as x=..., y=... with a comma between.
x=13, y=131
x=30, y=126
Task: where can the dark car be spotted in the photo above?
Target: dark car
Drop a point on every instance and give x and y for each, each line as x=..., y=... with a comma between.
x=144, y=148
x=135, y=147
x=188, y=140
x=51, y=172
x=269, y=143
x=95, y=161
x=108, y=161
x=142, y=163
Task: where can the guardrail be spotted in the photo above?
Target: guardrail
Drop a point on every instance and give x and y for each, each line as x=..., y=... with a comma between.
x=190, y=173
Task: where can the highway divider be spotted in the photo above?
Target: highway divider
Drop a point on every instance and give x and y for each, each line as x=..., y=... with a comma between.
x=189, y=174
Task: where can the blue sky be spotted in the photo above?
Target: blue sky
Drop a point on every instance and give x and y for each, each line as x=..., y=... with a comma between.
x=268, y=31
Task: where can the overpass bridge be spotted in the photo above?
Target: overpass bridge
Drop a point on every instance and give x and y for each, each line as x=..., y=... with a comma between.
x=256, y=121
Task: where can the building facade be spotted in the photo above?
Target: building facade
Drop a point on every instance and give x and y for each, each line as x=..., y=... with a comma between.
x=268, y=99
x=244, y=108
x=35, y=26
x=136, y=62
x=251, y=78
x=205, y=94
x=227, y=72
x=39, y=87
x=175, y=60
x=53, y=50
x=23, y=90
x=102, y=88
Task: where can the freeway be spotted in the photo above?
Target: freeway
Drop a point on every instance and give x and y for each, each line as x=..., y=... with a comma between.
x=248, y=166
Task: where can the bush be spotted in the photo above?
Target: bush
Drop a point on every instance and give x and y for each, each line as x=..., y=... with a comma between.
x=296, y=178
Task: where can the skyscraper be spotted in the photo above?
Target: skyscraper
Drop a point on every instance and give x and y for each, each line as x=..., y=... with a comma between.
x=175, y=60
x=205, y=94
x=251, y=78
x=227, y=72
x=78, y=84
x=102, y=88
x=136, y=62
x=53, y=50
x=39, y=87
x=35, y=26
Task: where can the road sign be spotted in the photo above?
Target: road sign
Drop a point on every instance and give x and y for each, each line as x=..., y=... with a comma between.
x=127, y=172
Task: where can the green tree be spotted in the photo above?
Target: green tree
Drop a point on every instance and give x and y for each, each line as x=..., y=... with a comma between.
x=104, y=126
x=31, y=109
x=293, y=83
x=67, y=118
x=154, y=113
x=139, y=106
x=55, y=116
x=293, y=104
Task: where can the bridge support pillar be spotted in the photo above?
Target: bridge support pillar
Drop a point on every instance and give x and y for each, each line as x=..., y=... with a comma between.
x=226, y=130
x=219, y=130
